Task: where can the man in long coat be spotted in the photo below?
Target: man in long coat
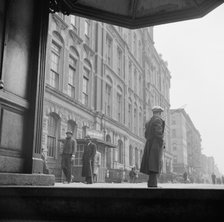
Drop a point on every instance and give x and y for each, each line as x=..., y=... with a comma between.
x=152, y=157
x=88, y=160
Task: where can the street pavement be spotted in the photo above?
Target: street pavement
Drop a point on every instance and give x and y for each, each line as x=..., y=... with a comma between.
x=142, y=185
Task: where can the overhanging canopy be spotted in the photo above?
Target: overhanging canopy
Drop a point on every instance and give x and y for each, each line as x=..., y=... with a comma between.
x=136, y=13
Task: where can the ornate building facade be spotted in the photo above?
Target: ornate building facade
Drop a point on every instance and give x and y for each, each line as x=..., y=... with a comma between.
x=104, y=78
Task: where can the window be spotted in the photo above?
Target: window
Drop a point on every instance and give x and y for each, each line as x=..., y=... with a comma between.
x=109, y=51
x=85, y=87
x=119, y=61
x=78, y=155
x=108, y=100
x=119, y=107
x=52, y=136
x=71, y=77
x=54, y=72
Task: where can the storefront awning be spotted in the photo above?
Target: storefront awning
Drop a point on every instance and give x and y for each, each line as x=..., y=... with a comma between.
x=97, y=141
x=136, y=13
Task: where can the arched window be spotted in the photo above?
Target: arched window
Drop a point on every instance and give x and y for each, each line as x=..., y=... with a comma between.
x=53, y=134
x=86, y=83
x=72, y=73
x=130, y=155
x=72, y=126
x=120, y=151
x=108, y=154
x=55, y=60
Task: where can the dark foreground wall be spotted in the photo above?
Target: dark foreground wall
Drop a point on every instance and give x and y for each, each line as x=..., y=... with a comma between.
x=84, y=204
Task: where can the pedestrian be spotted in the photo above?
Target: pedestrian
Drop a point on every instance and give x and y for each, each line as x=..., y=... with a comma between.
x=222, y=179
x=213, y=178
x=88, y=160
x=68, y=154
x=132, y=175
x=152, y=157
x=185, y=176
x=45, y=167
x=97, y=164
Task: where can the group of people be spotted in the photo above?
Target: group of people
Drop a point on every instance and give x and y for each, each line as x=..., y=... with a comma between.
x=91, y=159
x=151, y=160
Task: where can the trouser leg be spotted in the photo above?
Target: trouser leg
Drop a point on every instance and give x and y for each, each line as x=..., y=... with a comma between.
x=66, y=167
x=69, y=170
x=152, y=182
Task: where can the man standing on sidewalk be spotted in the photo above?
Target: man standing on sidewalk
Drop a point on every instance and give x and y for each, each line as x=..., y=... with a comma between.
x=88, y=160
x=152, y=158
x=68, y=154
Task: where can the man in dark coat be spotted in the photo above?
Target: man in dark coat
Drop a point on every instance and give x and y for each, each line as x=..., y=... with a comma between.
x=68, y=154
x=88, y=160
x=152, y=157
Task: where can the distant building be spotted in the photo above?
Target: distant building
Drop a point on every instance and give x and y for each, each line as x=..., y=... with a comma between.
x=186, y=145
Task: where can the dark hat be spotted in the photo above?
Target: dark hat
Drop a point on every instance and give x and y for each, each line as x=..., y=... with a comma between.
x=157, y=109
x=69, y=132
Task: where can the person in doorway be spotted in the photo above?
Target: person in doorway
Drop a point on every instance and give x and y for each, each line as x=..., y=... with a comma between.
x=152, y=157
x=97, y=164
x=68, y=154
x=88, y=160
